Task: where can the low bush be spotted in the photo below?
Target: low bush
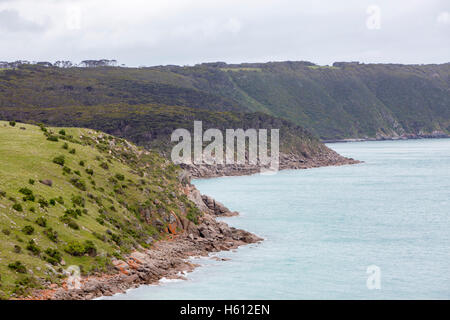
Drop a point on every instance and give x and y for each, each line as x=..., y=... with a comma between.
x=81, y=163
x=120, y=176
x=12, y=123
x=104, y=165
x=89, y=248
x=41, y=221
x=31, y=181
x=18, y=267
x=62, y=132
x=99, y=236
x=17, y=207
x=78, y=201
x=51, y=234
x=67, y=169
x=53, y=138
x=65, y=145
x=72, y=151
x=78, y=183
x=33, y=247
x=43, y=203
x=28, y=194
x=29, y=230
x=75, y=248
x=59, y=160
x=89, y=171
x=70, y=223
x=53, y=256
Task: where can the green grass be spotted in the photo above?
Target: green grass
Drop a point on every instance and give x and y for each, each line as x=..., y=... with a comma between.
x=26, y=154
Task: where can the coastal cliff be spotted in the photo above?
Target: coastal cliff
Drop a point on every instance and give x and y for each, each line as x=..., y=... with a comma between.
x=74, y=199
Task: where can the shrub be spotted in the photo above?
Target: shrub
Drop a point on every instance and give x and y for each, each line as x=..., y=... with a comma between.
x=17, y=249
x=78, y=173
x=78, y=183
x=99, y=236
x=6, y=232
x=52, y=202
x=25, y=191
x=43, y=203
x=12, y=123
x=89, y=171
x=119, y=176
x=104, y=165
x=72, y=151
x=65, y=146
x=72, y=213
x=60, y=200
x=116, y=239
x=30, y=181
x=89, y=248
x=17, y=207
x=62, y=132
x=28, y=230
x=53, y=256
x=41, y=221
x=78, y=201
x=2, y=194
x=33, y=247
x=70, y=223
x=67, y=169
x=81, y=163
x=53, y=138
x=18, y=267
x=51, y=234
x=75, y=248
x=32, y=209
x=59, y=160
x=28, y=194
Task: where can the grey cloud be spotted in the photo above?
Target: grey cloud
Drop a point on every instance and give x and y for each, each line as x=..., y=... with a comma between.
x=139, y=32
x=11, y=21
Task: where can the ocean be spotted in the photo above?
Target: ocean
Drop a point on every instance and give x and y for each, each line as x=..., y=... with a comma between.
x=326, y=228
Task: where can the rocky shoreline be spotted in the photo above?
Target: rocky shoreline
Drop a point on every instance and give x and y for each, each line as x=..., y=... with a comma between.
x=287, y=161
x=411, y=136
x=169, y=258
x=166, y=259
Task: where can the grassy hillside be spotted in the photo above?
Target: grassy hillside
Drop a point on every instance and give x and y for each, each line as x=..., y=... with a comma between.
x=71, y=196
x=343, y=101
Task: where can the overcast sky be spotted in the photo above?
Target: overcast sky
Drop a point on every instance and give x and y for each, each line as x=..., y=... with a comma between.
x=154, y=32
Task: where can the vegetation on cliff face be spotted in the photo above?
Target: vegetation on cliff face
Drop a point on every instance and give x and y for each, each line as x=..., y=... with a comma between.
x=347, y=100
x=72, y=196
x=151, y=126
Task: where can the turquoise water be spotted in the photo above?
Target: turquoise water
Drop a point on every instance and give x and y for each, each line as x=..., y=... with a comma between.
x=323, y=227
